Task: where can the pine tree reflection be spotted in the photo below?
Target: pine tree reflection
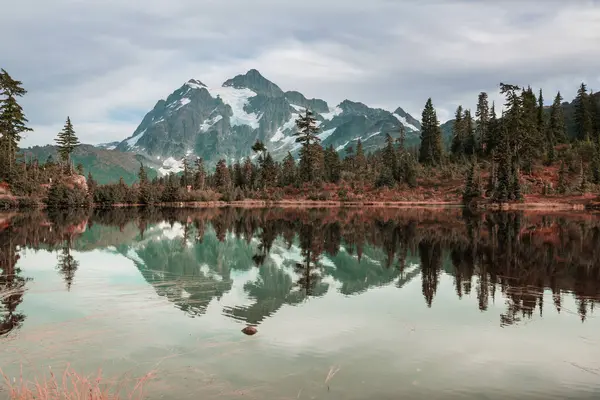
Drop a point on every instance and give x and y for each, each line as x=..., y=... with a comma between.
x=295, y=254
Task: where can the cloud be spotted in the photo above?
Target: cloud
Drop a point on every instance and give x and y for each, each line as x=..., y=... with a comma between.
x=106, y=63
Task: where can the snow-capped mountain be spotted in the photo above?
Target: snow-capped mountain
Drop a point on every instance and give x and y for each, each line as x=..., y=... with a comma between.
x=224, y=122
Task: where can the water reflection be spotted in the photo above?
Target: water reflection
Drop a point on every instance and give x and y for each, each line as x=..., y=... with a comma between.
x=192, y=257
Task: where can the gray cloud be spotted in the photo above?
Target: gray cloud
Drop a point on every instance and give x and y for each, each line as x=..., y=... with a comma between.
x=106, y=63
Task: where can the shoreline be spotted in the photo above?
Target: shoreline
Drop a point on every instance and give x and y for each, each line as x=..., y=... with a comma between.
x=569, y=204
x=558, y=206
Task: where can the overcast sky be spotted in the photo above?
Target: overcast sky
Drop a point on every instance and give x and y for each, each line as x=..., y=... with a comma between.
x=105, y=63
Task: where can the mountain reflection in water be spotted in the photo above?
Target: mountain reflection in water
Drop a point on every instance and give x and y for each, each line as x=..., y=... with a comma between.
x=191, y=256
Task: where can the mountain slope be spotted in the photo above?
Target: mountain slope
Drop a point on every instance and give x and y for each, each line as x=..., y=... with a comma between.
x=107, y=166
x=223, y=122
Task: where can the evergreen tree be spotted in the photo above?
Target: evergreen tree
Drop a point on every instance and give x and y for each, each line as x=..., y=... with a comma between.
x=515, y=184
x=595, y=165
x=360, y=161
x=349, y=160
x=556, y=131
x=142, y=175
x=402, y=137
x=493, y=132
x=186, y=178
x=389, y=155
x=249, y=173
x=583, y=183
x=594, y=108
x=583, y=120
x=199, y=175
x=91, y=185
x=171, y=190
x=502, y=190
x=482, y=114
x=49, y=161
x=541, y=121
x=470, y=143
x=318, y=168
x=431, y=151
x=562, y=179
x=13, y=122
x=557, y=128
x=471, y=190
x=67, y=141
x=269, y=171
x=146, y=193
x=222, y=177
x=530, y=140
x=492, y=177
x=288, y=172
x=409, y=169
x=238, y=175
x=514, y=135
x=458, y=135
x=307, y=137
x=332, y=165
x=260, y=149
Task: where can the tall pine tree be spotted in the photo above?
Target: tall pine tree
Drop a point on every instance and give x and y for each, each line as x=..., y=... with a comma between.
x=583, y=120
x=67, y=142
x=541, y=120
x=307, y=137
x=493, y=133
x=458, y=134
x=199, y=174
x=222, y=178
x=531, y=141
x=431, y=151
x=332, y=165
x=13, y=123
x=360, y=161
x=288, y=172
x=470, y=144
x=482, y=115
x=556, y=132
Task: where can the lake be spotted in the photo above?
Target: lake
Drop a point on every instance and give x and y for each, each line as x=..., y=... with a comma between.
x=348, y=303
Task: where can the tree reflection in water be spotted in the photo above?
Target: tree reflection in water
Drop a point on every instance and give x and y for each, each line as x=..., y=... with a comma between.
x=299, y=252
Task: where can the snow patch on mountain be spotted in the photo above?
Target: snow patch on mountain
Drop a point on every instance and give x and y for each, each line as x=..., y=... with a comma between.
x=133, y=141
x=298, y=108
x=208, y=123
x=287, y=126
x=325, y=134
x=370, y=136
x=278, y=136
x=170, y=165
x=182, y=103
x=332, y=113
x=341, y=147
x=404, y=122
x=237, y=99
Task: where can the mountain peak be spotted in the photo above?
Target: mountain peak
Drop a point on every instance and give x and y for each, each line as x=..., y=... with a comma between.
x=254, y=81
x=195, y=83
x=407, y=120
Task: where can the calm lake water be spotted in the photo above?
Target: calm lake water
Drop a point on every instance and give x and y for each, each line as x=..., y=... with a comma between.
x=348, y=303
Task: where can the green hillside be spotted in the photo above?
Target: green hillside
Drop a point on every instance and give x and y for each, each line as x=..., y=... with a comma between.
x=107, y=166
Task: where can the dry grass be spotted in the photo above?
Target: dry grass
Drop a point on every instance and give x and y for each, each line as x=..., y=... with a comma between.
x=74, y=386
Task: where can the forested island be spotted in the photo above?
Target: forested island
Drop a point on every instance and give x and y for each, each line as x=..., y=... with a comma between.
x=525, y=154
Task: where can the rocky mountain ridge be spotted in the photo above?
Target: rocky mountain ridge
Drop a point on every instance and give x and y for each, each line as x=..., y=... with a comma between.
x=213, y=123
